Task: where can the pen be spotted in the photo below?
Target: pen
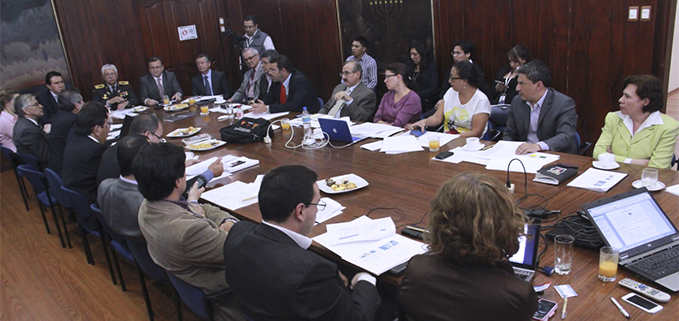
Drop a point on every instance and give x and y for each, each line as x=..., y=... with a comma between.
x=248, y=198
x=488, y=147
x=563, y=309
x=620, y=308
x=414, y=228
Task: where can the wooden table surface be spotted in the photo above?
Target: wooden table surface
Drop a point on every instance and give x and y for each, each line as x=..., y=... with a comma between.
x=401, y=187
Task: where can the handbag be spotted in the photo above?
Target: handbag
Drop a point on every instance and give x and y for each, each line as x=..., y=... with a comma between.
x=246, y=130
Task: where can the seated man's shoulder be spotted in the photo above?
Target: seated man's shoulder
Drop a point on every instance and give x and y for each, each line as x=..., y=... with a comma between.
x=561, y=97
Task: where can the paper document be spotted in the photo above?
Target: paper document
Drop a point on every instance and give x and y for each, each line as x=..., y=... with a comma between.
x=219, y=99
x=532, y=162
x=267, y=116
x=231, y=164
x=374, y=130
x=443, y=138
x=113, y=135
x=400, y=144
x=235, y=195
x=374, y=146
x=674, y=189
x=332, y=209
x=597, y=180
x=120, y=114
x=361, y=230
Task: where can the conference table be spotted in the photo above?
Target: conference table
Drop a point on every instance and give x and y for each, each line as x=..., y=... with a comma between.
x=401, y=187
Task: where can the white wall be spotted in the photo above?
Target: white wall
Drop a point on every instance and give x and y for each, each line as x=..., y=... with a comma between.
x=674, y=65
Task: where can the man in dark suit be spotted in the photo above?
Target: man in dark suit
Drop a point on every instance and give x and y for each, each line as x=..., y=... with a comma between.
x=157, y=83
x=70, y=102
x=265, y=80
x=113, y=93
x=541, y=116
x=84, y=150
x=351, y=98
x=55, y=84
x=28, y=136
x=293, y=92
x=272, y=273
x=209, y=82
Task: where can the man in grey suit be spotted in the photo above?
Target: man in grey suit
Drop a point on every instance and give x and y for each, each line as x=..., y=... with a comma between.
x=209, y=82
x=249, y=88
x=28, y=136
x=541, y=116
x=158, y=83
x=272, y=272
x=351, y=98
x=183, y=237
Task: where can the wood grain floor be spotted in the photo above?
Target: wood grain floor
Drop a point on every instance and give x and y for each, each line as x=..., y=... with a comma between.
x=40, y=280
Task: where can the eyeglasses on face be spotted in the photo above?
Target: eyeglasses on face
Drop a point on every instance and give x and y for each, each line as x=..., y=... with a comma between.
x=320, y=205
x=250, y=58
x=346, y=73
x=388, y=76
x=162, y=140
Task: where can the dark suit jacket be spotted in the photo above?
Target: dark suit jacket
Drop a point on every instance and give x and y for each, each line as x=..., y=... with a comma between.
x=220, y=85
x=436, y=290
x=149, y=89
x=49, y=106
x=30, y=139
x=361, y=108
x=81, y=162
x=108, y=167
x=300, y=94
x=102, y=93
x=62, y=125
x=275, y=279
x=556, y=123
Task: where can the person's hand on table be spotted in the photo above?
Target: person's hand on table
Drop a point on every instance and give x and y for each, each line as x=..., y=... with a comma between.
x=259, y=107
x=217, y=168
x=177, y=97
x=122, y=105
x=230, y=100
x=421, y=125
x=151, y=102
x=527, y=148
x=190, y=162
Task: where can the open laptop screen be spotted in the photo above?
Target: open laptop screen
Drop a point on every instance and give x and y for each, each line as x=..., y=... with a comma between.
x=630, y=221
x=528, y=248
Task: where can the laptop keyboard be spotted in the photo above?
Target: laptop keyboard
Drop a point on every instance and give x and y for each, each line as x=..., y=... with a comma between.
x=660, y=264
x=523, y=274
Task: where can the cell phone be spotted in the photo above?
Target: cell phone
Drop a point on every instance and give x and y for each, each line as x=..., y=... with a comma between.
x=416, y=132
x=444, y=155
x=641, y=303
x=545, y=310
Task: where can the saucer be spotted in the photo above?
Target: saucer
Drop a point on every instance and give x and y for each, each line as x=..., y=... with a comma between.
x=472, y=148
x=600, y=165
x=656, y=187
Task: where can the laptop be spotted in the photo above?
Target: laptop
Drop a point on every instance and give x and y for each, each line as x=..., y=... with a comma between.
x=525, y=261
x=338, y=130
x=634, y=223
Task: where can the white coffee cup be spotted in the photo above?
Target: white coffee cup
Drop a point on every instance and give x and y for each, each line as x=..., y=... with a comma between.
x=473, y=142
x=607, y=159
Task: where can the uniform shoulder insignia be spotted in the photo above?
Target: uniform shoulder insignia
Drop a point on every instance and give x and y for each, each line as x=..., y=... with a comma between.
x=99, y=86
x=124, y=82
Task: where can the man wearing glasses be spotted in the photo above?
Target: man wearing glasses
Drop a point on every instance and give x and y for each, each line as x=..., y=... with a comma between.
x=272, y=272
x=249, y=88
x=28, y=136
x=209, y=82
x=352, y=97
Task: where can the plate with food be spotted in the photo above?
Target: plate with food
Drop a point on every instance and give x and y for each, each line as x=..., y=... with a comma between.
x=342, y=184
x=184, y=132
x=206, y=145
x=176, y=107
x=140, y=109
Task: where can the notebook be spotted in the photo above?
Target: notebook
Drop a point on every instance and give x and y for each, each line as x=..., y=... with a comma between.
x=338, y=130
x=634, y=223
x=525, y=260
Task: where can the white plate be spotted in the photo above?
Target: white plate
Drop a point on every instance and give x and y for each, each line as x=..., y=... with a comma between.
x=353, y=178
x=176, y=107
x=656, y=187
x=213, y=142
x=140, y=109
x=177, y=132
x=600, y=165
x=473, y=148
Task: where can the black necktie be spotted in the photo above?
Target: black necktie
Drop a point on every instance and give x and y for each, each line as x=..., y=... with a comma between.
x=208, y=90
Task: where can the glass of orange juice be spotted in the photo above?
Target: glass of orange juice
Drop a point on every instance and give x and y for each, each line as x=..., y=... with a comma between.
x=204, y=110
x=608, y=263
x=285, y=124
x=192, y=101
x=166, y=100
x=434, y=143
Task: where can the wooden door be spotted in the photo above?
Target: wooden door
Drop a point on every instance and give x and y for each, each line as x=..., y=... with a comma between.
x=159, y=20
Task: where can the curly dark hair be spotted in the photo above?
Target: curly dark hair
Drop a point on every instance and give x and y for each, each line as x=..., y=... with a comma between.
x=473, y=218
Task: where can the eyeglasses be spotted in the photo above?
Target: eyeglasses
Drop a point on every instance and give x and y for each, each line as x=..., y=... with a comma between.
x=346, y=73
x=320, y=205
x=250, y=58
x=387, y=76
x=162, y=140
x=453, y=78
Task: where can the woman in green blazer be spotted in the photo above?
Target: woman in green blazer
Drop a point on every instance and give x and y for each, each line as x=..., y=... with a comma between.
x=638, y=133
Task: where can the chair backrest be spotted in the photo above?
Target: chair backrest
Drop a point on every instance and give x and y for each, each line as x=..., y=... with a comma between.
x=55, y=183
x=80, y=204
x=192, y=296
x=320, y=102
x=29, y=159
x=581, y=148
x=102, y=222
x=34, y=176
x=141, y=255
x=11, y=156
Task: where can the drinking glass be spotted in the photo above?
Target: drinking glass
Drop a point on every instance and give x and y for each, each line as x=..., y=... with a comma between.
x=608, y=263
x=649, y=177
x=563, y=253
x=434, y=143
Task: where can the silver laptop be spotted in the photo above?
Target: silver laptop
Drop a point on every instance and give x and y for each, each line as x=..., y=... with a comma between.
x=525, y=260
x=634, y=223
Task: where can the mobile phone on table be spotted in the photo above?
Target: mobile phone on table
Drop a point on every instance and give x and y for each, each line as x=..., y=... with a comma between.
x=416, y=132
x=444, y=155
x=641, y=303
x=545, y=310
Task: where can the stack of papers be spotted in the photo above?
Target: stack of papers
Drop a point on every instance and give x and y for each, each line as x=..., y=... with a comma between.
x=219, y=99
x=674, y=189
x=267, y=116
x=498, y=158
x=332, y=209
x=597, y=180
x=235, y=195
x=443, y=138
x=231, y=164
x=400, y=144
x=120, y=114
x=219, y=109
x=370, y=244
x=374, y=130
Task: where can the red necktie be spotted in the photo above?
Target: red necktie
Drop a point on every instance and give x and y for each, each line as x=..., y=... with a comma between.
x=283, y=98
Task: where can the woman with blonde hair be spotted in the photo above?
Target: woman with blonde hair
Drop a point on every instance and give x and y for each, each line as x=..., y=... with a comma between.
x=466, y=275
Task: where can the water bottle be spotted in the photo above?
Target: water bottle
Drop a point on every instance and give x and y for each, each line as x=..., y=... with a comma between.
x=238, y=112
x=306, y=121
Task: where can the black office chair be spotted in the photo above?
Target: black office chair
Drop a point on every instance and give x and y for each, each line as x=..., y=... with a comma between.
x=581, y=147
x=16, y=161
x=43, y=196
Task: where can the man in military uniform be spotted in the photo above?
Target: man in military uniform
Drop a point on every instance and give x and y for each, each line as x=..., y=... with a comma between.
x=115, y=94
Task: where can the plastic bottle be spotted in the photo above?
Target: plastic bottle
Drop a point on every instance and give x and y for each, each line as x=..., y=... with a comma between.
x=306, y=121
x=238, y=113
